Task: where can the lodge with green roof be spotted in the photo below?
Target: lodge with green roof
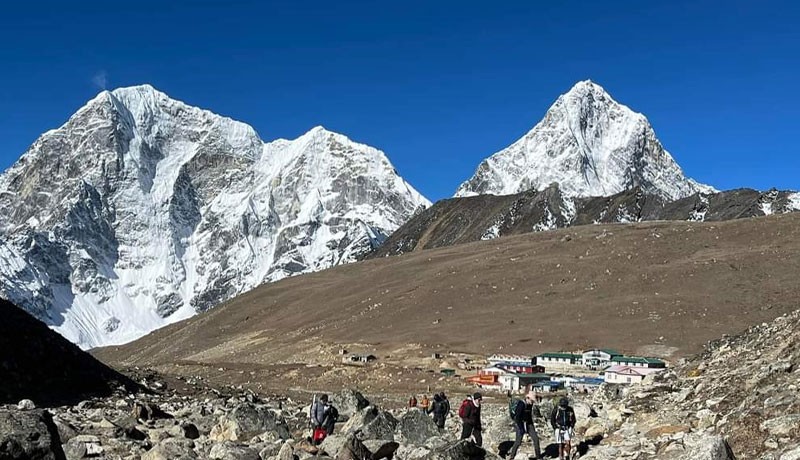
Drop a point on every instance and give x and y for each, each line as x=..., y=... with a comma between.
x=635, y=361
x=597, y=359
x=558, y=359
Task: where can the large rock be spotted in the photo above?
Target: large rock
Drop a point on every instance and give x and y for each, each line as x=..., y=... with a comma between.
x=354, y=449
x=83, y=446
x=783, y=425
x=333, y=444
x=461, y=450
x=410, y=452
x=700, y=446
x=249, y=420
x=416, y=427
x=382, y=450
x=232, y=451
x=372, y=423
x=348, y=402
x=172, y=449
x=148, y=411
x=29, y=435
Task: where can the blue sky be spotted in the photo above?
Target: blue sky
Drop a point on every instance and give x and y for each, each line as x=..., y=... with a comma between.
x=437, y=85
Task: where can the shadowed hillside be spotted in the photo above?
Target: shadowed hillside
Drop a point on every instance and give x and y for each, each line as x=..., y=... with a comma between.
x=39, y=364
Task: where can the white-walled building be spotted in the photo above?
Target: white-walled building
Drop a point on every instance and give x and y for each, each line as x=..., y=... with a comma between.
x=598, y=358
x=627, y=374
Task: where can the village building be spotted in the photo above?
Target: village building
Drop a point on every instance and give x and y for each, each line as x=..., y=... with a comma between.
x=628, y=374
x=359, y=359
x=489, y=377
x=519, y=382
x=558, y=359
x=598, y=358
x=634, y=361
x=545, y=386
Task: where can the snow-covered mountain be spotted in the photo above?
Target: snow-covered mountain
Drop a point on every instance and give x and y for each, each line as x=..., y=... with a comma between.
x=142, y=210
x=591, y=146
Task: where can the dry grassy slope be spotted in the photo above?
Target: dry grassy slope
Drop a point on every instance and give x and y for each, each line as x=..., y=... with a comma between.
x=625, y=286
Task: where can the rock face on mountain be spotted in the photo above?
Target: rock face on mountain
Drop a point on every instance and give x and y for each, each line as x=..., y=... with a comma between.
x=739, y=398
x=142, y=210
x=591, y=146
x=483, y=217
x=38, y=364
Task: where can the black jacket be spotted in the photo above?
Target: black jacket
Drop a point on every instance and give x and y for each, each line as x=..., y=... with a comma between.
x=473, y=415
x=562, y=417
x=523, y=413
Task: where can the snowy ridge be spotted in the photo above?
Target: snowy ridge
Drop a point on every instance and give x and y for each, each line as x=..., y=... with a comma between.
x=794, y=202
x=142, y=210
x=591, y=146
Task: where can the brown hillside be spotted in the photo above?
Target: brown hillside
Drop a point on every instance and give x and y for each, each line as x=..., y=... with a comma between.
x=660, y=287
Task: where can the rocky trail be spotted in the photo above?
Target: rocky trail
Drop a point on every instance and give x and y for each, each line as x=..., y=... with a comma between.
x=736, y=400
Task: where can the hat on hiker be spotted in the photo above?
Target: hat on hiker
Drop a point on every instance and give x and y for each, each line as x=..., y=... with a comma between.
x=477, y=396
x=564, y=402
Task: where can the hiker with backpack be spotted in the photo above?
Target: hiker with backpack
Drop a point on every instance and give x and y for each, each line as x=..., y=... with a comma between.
x=412, y=401
x=439, y=410
x=446, y=403
x=522, y=412
x=470, y=413
x=323, y=418
x=562, y=419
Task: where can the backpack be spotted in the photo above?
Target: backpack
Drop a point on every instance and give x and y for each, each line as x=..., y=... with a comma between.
x=512, y=407
x=462, y=410
x=561, y=418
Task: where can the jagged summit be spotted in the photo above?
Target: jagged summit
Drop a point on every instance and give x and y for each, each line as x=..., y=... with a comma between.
x=590, y=145
x=142, y=210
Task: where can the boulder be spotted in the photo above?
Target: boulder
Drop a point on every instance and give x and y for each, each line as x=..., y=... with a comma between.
x=147, y=411
x=372, y=423
x=460, y=450
x=409, y=452
x=189, y=430
x=232, y=451
x=249, y=420
x=26, y=404
x=332, y=444
x=83, y=446
x=700, y=446
x=286, y=452
x=75, y=450
x=793, y=454
x=382, y=450
x=66, y=430
x=353, y=449
x=270, y=450
x=348, y=402
x=416, y=427
x=784, y=425
x=172, y=449
x=29, y=435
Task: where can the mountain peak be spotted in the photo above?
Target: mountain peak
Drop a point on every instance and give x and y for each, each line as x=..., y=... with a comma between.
x=589, y=144
x=586, y=86
x=165, y=209
x=144, y=89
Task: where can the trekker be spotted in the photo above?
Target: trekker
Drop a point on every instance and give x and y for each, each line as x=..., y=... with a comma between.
x=523, y=423
x=470, y=413
x=412, y=401
x=562, y=418
x=439, y=410
x=446, y=404
x=323, y=417
x=425, y=403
